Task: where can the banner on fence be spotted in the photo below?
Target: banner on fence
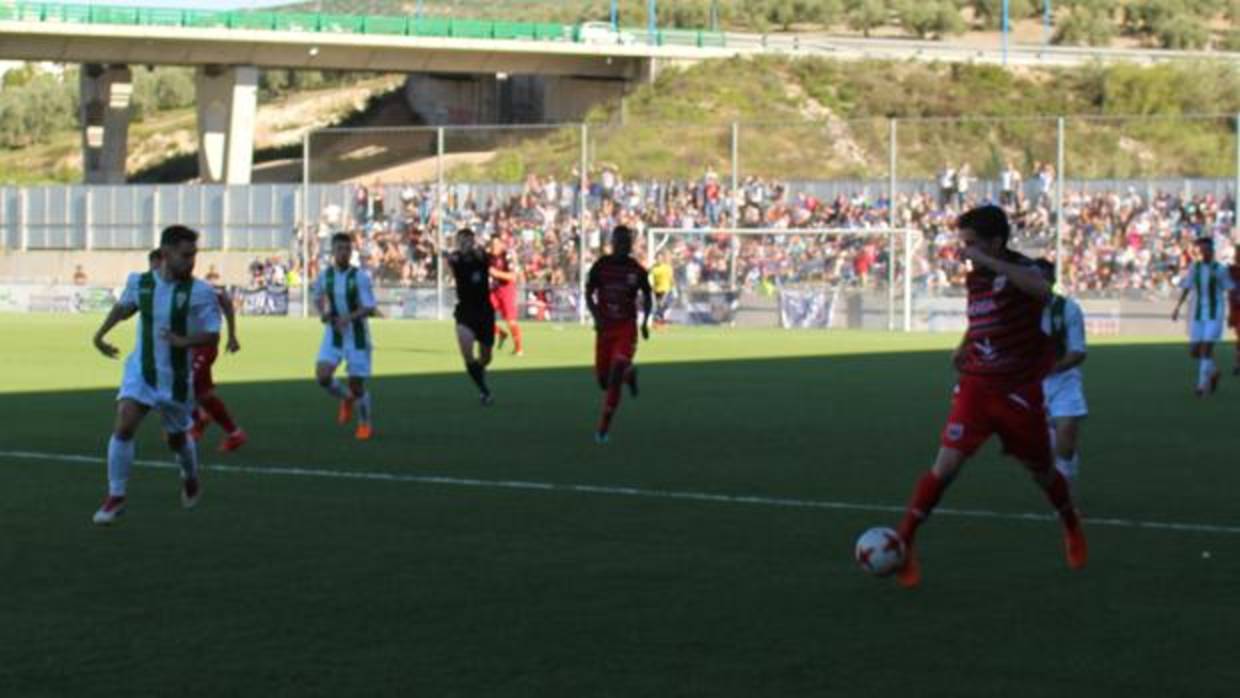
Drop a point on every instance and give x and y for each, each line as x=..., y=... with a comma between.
x=262, y=301
x=807, y=309
x=56, y=298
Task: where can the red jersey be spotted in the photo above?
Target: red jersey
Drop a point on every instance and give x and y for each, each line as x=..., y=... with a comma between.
x=1234, y=270
x=1004, y=345
x=614, y=283
x=506, y=262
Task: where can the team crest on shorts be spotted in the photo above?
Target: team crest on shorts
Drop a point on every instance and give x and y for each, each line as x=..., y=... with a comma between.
x=1000, y=283
x=955, y=431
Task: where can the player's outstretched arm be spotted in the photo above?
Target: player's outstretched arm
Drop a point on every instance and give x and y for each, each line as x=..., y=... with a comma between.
x=1175, y=314
x=230, y=321
x=118, y=314
x=1026, y=278
x=647, y=304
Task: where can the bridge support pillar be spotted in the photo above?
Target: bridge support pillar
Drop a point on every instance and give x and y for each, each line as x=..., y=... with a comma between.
x=106, y=96
x=227, y=99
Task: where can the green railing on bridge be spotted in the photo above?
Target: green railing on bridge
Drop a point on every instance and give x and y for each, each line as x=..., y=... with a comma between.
x=437, y=27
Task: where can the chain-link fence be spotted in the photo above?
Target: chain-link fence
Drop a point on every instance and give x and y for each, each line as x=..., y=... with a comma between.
x=1104, y=196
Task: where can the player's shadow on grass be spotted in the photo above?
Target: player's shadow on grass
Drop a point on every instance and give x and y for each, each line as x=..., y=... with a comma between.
x=745, y=425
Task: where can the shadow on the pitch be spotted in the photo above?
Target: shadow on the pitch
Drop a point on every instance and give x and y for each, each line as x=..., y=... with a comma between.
x=762, y=426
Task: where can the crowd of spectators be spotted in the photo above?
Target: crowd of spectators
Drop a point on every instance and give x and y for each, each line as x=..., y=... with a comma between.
x=1114, y=241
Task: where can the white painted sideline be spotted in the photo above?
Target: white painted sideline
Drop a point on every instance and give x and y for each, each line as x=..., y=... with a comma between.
x=623, y=491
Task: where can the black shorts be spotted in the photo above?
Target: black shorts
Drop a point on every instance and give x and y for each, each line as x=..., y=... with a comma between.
x=480, y=323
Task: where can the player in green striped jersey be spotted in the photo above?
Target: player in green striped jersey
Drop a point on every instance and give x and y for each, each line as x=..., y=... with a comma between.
x=176, y=312
x=1207, y=282
x=345, y=298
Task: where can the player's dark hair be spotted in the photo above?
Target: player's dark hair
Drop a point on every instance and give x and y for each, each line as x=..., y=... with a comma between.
x=466, y=231
x=988, y=222
x=155, y=255
x=1047, y=268
x=177, y=234
x=1206, y=240
x=341, y=237
x=622, y=236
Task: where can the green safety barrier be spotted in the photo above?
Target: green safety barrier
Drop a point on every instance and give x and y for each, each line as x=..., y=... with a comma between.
x=441, y=27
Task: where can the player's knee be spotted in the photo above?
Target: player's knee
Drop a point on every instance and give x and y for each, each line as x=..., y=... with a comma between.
x=177, y=441
x=124, y=432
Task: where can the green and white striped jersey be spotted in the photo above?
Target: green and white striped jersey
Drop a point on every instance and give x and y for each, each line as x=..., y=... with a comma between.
x=346, y=290
x=183, y=308
x=1209, y=283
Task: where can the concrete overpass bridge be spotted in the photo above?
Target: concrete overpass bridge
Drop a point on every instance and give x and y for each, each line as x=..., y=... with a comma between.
x=228, y=48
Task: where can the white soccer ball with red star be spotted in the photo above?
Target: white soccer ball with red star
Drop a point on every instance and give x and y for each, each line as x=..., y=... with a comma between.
x=880, y=551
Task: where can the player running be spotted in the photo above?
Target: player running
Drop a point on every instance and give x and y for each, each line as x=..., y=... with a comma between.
x=1234, y=311
x=1064, y=321
x=612, y=288
x=176, y=313
x=504, y=293
x=1207, y=281
x=345, y=298
x=662, y=279
x=1002, y=360
x=475, y=317
x=210, y=407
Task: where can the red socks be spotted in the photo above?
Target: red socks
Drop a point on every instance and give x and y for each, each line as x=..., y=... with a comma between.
x=611, y=399
x=1060, y=497
x=925, y=497
x=214, y=406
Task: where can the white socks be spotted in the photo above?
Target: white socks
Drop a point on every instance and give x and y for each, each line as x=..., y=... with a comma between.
x=120, y=461
x=336, y=390
x=363, y=408
x=1204, y=370
x=1069, y=467
x=187, y=457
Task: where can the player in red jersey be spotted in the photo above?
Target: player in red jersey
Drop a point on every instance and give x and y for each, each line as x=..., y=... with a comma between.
x=1002, y=360
x=210, y=407
x=1234, y=310
x=612, y=288
x=504, y=293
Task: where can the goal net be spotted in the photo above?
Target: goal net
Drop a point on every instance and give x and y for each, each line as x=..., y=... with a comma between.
x=830, y=278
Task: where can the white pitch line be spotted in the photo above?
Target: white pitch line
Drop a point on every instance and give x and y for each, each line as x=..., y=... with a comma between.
x=622, y=491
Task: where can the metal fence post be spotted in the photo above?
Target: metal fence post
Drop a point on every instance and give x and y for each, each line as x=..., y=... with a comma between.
x=736, y=172
x=23, y=214
x=1059, y=177
x=441, y=201
x=88, y=216
x=155, y=216
x=225, y=208
x=582, y=179
x=908, y=279
x=1235, y=199
x=891, y=222
x=305, y=224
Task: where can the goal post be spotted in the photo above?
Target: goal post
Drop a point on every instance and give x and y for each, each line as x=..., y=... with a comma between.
x=736, y=263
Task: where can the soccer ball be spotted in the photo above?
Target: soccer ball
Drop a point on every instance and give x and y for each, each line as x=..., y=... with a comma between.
x=880, y=551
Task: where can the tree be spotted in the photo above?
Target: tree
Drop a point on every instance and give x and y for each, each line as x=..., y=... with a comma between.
x=931, y=18
x=21, y=76
x=1088, y=23
x=1182, y=32
x=989, y=13
x=867, y=15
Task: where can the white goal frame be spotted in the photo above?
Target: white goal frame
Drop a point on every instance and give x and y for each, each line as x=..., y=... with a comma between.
x=892, y=235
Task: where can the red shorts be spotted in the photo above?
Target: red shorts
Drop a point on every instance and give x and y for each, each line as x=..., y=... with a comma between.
x=612, y=344
x=504, y=300
x=1018, y=416
x=203, y=359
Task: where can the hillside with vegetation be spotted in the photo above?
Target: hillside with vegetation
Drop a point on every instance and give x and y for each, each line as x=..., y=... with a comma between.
x=799, y=119
x=1176, y=24
x=817, y=118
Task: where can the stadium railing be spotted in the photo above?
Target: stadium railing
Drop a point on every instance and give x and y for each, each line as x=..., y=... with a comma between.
x=328, y=23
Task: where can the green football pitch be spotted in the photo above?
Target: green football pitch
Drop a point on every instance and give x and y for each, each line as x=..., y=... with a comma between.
x=706, y=551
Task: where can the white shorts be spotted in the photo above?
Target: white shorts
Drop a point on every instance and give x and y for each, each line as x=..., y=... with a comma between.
x=358, y=360
x=1065, y=395
x=176, y=417
x=1205, y=331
